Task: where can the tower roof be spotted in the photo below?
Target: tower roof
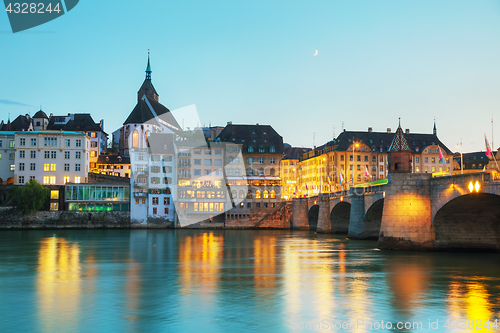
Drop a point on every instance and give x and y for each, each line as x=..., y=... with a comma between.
x=148, y=69
x=40, y=114
x=399, y=142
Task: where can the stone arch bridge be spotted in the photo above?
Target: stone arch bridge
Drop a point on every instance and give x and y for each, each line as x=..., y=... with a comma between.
x=412, y=211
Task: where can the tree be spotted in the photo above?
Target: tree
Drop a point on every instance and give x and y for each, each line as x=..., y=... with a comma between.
x=32, y=197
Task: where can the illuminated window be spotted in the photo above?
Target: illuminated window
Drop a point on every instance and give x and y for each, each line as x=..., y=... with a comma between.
x=77, y=180
x=93, y=153
x=273, y=194
x=54, y=194
x=135, y=139
x=46, y=167
x=53, y=167
x=257, y=194
x=52, y=180
x=54, y=206
x=155, y=200
x=66, y=180
x=266, y=195
x=46, y=179
x=12, y=144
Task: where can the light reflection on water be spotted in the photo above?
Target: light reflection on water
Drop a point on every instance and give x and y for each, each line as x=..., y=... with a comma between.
x=191, y=281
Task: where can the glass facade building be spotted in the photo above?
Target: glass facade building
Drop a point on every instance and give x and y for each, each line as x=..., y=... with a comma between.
x=101, y=197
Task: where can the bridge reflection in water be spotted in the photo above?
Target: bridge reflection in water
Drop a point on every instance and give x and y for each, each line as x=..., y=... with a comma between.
x=228, y=280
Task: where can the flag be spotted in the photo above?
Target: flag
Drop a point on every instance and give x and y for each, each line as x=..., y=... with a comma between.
x=307, y=188
x=328, y=179
x=367, y=174
x=489, y=153
x=441, y=157
x=386, y=164
x=341, y=177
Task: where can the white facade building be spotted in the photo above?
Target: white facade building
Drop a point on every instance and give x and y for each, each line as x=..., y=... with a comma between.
x=50, y=157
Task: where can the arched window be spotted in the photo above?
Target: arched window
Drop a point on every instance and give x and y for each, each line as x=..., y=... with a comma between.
x=242, y=194
x=146, y=136
x=273, y=194
x=249, y=194
x=257, y=194
x=262, y=149
x=250, y=149
x=272, y=171
x=266, y=194
x=272, y=149
x=135, y=139
x=233, y=194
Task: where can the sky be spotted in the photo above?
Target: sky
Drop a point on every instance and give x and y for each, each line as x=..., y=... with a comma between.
x=253, y=62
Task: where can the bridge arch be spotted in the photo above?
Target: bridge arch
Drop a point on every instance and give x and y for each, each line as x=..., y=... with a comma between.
x=313, y=217
x=340, y=217
x=373, y=218
x=470, y=221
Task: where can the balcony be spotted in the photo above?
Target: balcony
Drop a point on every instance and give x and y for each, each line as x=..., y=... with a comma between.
x=140, y=194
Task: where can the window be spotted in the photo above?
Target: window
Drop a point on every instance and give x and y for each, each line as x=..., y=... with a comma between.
x=12, y=167
x=261, y=171
x=93, y=153
x=257, y=194
x=350, y=157
x=250, y=160
x=32, y=166
x=218, y=152
x=12, y=144
x=155, y=180
x=166, y=201
x=46, y=179
x=250, y=149
x=66, y=167
x=66, y=180
x=341, y=157
x=155, y=169
x=218, y=162
x=22, y=142
x=155, y=200
x=21, y=166
x=273, y=194
x=78, y=155
x=417, y=159
x=33, y=143
x=358, y=158
x=266, y=194
x=66, y=155
x=77, y=180
x=21, y=154
x=208, y=152
x=67, y=143
x=54, y=194
x=197, y=172
x=21, y=179
x=52, y=167
x=208, y=162
x=218, y=172
x=53, y=154
x=272, y=149
x=426, y=160
x=433, y=160
x=208, y=172
x=433, y=169
x=366, y=158
x=261, y=160
x=272, y=160
x=50, y=142
x=77, y=167
x=46, y=167
x=33, y=154
x=166, y=210
x=262, y=149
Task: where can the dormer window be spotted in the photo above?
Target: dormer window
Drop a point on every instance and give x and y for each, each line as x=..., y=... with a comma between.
x=250, y=149
x=262, y=149
x=272, y=149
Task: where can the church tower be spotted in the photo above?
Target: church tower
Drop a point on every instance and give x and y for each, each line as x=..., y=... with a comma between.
x=147, y=87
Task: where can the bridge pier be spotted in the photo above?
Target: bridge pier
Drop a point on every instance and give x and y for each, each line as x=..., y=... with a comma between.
x=324, y=224
x=406, y=217
x=356, y=225
x=300, y=219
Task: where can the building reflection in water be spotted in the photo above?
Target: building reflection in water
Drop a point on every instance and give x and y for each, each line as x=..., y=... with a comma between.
x=58, y=284
x=200, y=259
x=264, y=266
x=133, y=288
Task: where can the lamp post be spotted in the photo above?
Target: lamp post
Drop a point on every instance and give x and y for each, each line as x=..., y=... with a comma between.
x=461, y=158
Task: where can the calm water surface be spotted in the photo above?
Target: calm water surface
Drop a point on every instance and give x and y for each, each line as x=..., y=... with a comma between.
x=235, y=281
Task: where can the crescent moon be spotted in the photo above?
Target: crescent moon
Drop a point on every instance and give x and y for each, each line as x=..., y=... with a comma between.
x=315, y=54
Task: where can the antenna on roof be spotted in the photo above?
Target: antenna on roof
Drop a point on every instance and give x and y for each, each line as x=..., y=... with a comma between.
x=314, y=140
x=333, y=134
x=343, y=126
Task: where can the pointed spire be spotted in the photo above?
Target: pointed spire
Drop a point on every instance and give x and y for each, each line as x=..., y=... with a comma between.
x=399, y=142
x=434, y=131
x=148, y=69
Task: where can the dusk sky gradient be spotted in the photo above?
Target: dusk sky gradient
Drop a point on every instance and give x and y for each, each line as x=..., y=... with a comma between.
x=252, y=62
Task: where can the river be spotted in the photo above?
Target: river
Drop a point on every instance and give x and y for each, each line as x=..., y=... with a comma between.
x=237, y=281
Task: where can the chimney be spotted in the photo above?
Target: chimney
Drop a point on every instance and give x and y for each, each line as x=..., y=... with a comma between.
x=407, y=131
x=370, y=129
x=388, y=130
x=257, y=124
x=51, y=115
x=229, y=122
x=101, y=124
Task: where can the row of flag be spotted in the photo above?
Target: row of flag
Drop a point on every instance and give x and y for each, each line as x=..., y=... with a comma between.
x=489, y=153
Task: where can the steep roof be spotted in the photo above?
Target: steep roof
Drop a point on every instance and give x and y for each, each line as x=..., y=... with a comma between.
x=383, y=140
x=399, y=141
x=293, y=153
x=81, y=122
x=142, y=113
x=21, y=123
x=147, y=89
x=40, y=114
x=253, y=135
